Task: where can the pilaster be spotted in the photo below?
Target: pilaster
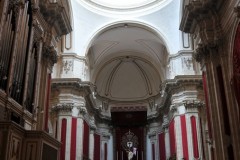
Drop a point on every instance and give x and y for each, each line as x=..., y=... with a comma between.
x=79, y=147
x=192, y=110
x=167, y=143
x=178, y=137
x=165, y=129
x=91, y=144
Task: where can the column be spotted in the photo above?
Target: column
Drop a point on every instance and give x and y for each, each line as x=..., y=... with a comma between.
x=79, y=139
x=193, y=129
x=178, y=137
x=91, y=144
x=166, y=137
x=66, y=125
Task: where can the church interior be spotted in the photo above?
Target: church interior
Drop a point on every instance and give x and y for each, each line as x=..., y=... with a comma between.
x=119, y=80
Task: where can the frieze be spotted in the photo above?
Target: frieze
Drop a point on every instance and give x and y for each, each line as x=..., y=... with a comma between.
x=63, y=108
x=193, y=104
x=128, y=108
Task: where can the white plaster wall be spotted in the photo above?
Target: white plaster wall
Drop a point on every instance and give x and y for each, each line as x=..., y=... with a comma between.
x=182, y=63
x=87, y=24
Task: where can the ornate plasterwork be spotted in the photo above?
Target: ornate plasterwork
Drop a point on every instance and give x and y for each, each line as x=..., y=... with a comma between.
x=82, y=110
x=193, y=105
x=55, y=14
x=202, y=17
x=63, y=108
x=122, y=108
x=187, y=63
x=50, y=54
x=67, y=65
x=165, y=121
x=201, y=52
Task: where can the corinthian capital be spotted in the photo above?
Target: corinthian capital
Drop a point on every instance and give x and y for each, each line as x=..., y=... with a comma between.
x=82, y=110
x=192, y=105
x=63, y=108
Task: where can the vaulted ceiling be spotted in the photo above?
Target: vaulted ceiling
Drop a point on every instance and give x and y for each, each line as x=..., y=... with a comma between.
x=127, y=63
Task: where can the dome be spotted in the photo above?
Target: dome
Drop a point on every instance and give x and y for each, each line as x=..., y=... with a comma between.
x=123, y=7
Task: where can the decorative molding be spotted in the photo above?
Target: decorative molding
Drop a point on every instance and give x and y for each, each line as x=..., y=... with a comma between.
x=50, y=54
x=165, y=123
x=67, y=65
x=55, y=14
x=127, y=108
x=202, y=17
x=63, y=108
x=200, y=53
x=192, y=105
x=82, y=110
x=187, y=63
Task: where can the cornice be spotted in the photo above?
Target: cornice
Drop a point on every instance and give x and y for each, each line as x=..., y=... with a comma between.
x=168, y=85
x=55, y=14
x=76, y=83
x=194, y=9
x=203, y=14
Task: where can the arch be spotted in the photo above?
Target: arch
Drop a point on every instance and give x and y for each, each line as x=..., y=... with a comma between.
x=140, y=24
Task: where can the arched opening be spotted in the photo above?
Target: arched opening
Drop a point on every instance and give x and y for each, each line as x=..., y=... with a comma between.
x=127, y=64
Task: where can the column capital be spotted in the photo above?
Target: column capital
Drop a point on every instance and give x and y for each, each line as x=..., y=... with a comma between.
x=65, y=108
x=193, y=105
x=153, y=136
x=82, y=110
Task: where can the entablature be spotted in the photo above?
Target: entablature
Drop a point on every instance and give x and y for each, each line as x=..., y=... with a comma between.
x=55, y=14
